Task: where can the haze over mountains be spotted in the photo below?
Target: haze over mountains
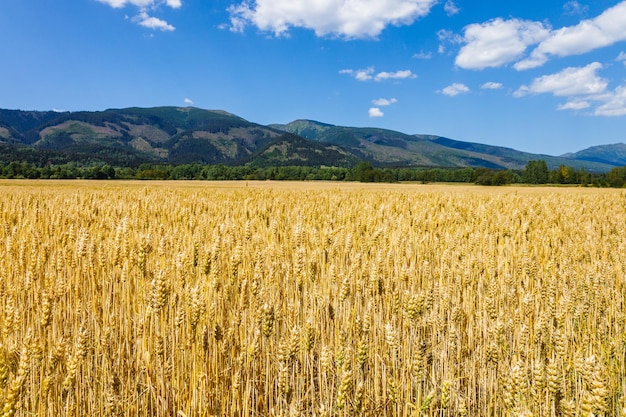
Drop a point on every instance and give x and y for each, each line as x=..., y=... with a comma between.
x=185, y=135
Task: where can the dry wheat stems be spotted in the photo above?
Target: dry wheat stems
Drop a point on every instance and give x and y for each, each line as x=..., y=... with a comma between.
x=152, y=300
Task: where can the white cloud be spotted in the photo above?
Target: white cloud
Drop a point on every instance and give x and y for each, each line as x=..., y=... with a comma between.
x=573, y=7
x=143, y=18
x=447, y=37
x=153, y=22
x=621, y=57
x=121, y=3
x=521, y=92
x=143, y=4
x=491, y=86
x=533, y=61
x=188, y=101
x=574, y=105
x=174, y=4
x=572, y=81
x=498, y=42
x=384, y=102
x=360, y=75
x=375, y=112
x=614, y=103
x=398, y=75
x=583, y=87
x=368, y=74
x=455, y=89
x=423, y=55
x=451, y=8
x=350, y=19
x=603, y=30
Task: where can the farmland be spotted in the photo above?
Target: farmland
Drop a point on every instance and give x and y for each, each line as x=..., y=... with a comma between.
x=312, y=299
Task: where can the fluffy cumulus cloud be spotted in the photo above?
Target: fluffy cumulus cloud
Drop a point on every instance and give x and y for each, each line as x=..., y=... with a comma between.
x=350, y=19
x=381, y=102
x=369, y=74
x=572, y=81
x=143, y=18
x=455, y=89
x=583, y=88
x=604, y=30
x=621, y=57
x=375, y=112
x=188, y=101
x=498, y=42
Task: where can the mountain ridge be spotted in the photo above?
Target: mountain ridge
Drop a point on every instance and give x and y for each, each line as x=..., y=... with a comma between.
x=428, y=150
x=179, y=135
x=611, y=154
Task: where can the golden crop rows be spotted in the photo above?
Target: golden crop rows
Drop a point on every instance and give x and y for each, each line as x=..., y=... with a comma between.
x=165, y=300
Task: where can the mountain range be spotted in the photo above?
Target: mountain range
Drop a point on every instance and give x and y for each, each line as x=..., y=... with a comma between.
x=131, y=136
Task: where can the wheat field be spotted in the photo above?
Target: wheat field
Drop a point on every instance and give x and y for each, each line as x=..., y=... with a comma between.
x=294, y=299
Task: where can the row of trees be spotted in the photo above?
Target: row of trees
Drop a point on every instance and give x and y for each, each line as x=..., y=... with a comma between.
x=535, y=172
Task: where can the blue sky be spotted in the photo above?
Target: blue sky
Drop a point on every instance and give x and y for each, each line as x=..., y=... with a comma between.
x=545, y=77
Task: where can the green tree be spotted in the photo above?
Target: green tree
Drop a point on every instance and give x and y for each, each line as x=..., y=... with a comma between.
x=363, y=172
x=536, y=172
x=616, y=177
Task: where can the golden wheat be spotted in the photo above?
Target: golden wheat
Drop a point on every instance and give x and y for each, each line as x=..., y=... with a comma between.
x=200, y=299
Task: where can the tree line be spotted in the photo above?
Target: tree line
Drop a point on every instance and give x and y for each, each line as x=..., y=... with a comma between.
x=535, y=172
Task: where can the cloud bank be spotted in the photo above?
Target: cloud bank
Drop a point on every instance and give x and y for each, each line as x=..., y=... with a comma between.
x=604, y=30
x=499, y=42
x=350, y=19
x=582, y=86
